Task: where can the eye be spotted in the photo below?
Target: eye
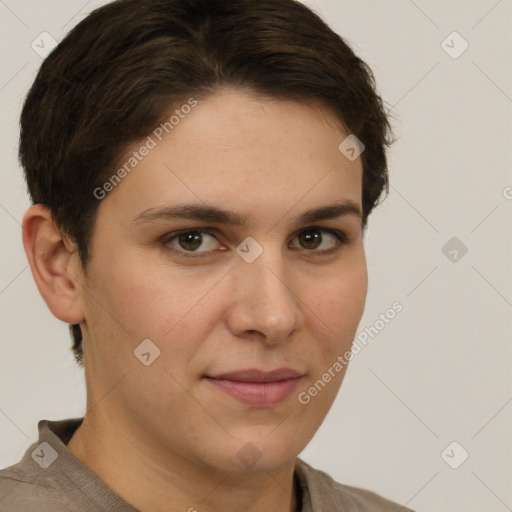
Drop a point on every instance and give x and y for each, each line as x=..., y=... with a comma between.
x=189, y=241
x=313, y=237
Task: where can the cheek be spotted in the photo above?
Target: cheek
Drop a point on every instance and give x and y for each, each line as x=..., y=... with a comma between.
x=145, y=300
x=174, y=308
x=340, y=303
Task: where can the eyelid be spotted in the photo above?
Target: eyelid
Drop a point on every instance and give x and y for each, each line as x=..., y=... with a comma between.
x=341, y=238
x=166, y=239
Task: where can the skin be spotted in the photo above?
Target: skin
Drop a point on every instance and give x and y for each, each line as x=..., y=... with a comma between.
x=173, y=436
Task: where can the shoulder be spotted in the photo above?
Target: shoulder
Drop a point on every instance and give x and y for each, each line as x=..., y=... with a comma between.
x=49, y=478
x=24, y=489
x=40, y=480
x=325, y=494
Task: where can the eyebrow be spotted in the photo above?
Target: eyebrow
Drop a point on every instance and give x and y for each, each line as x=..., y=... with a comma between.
x=214, y=214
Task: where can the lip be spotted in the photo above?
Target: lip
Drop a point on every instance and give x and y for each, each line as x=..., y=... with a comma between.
x=256, y=387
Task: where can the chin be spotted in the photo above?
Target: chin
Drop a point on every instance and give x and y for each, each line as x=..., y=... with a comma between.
x=263, y=452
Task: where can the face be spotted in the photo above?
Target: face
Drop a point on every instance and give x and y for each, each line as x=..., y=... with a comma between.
x=245, y=308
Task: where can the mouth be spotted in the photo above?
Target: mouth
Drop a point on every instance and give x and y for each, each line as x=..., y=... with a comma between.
x=256, y=387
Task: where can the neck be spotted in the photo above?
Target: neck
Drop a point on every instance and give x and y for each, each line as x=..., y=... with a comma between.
x=153, y=479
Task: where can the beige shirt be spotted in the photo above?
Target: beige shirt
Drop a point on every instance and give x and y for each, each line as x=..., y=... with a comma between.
x=49, y=478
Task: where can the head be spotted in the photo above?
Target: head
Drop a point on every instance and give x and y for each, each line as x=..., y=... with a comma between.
x=148, y=107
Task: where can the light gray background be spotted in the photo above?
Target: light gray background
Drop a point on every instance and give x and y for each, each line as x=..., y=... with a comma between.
x=440, y=371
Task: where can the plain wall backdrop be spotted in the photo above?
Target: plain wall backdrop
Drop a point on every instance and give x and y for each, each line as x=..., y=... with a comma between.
x=433, y=385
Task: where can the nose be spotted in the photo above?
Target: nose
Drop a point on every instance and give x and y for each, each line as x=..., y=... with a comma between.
x=264, y=304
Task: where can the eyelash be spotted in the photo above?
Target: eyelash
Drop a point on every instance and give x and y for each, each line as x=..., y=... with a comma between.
x=341, y=240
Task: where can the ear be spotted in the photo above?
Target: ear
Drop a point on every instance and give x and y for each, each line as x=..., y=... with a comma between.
x=54, y=263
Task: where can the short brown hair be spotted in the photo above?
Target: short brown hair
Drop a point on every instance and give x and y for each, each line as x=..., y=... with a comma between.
x=117, y=74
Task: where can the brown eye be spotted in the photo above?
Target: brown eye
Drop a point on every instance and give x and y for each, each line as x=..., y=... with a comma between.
x=313, y=238
x=188, y=242
x=310, y=239
x=191, y=240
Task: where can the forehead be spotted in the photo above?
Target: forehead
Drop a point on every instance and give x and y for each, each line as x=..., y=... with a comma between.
x=252, y=153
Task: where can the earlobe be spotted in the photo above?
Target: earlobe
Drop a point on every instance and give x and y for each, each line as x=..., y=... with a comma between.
x=54, y=263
